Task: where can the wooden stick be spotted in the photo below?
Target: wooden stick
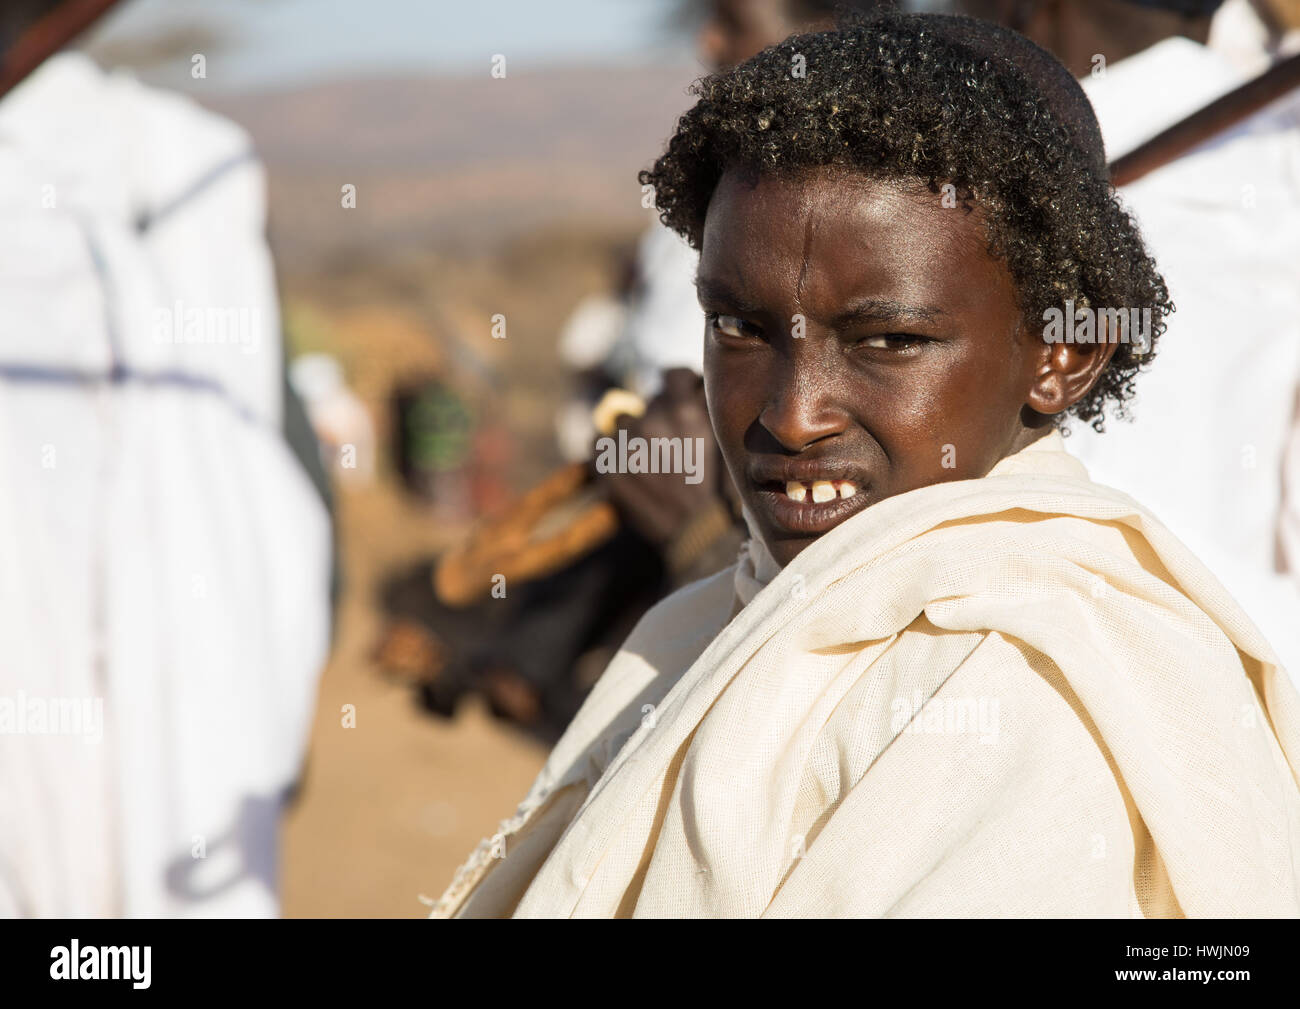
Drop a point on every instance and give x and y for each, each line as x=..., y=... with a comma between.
x=1217, y=117
x=46, y=37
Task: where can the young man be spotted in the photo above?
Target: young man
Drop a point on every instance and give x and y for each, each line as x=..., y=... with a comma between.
x=950, y=675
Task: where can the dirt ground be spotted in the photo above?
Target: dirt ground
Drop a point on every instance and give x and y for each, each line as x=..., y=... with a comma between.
x=390, y=808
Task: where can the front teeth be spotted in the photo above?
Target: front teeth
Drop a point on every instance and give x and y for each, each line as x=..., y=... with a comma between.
x=822, y=490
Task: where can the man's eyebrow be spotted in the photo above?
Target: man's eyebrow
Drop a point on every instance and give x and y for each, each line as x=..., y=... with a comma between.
x=884, y=310
x=862, y=311
x=720, y=294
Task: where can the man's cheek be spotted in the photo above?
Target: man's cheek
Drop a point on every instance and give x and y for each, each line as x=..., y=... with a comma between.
x=726, y=414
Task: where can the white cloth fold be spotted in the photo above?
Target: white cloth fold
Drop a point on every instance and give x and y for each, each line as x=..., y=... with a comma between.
x=1018, y=695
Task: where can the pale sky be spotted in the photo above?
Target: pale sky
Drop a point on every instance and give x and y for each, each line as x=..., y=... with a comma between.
x=283, y=42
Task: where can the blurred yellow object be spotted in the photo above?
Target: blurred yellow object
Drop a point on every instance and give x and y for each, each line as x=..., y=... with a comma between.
x=1285, y=11
x=559, y=520
x=614, y=404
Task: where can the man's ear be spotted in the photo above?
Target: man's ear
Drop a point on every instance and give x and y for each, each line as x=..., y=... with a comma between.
x=1067, y=371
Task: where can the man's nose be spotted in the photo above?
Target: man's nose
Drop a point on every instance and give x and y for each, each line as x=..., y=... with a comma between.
x=801, y=407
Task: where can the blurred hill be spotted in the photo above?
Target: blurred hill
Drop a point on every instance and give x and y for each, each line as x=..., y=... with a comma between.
x=456, y=163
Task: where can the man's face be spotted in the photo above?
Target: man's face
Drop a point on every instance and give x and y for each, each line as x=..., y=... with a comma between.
x=861, y=342
x=735, y=30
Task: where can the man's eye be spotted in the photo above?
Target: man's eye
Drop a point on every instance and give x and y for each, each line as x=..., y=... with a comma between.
x=893, y=341
x=729, y=325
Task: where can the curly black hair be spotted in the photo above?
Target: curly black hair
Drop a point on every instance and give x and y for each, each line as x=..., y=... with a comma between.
x=945, y=100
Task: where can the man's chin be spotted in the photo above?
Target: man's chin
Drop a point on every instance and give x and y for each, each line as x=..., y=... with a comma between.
x=786, y=547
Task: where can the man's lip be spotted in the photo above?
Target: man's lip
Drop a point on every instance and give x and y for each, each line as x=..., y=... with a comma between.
x=768, y=478
x=779, y=472
x=807, y=517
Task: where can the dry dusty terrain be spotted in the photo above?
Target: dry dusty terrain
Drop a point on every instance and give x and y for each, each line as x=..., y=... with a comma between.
x=390, y=808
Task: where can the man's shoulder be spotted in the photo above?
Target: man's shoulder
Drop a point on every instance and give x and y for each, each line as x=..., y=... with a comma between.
x=661, y=648
x=699, y=609
x=667, y=640
x=1138, y=97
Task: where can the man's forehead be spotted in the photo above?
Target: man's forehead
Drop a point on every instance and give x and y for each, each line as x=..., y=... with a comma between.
x=833, y=194
x=828, y=235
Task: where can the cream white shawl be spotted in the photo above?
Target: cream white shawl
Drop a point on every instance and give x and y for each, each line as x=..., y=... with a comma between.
x=1018, y=695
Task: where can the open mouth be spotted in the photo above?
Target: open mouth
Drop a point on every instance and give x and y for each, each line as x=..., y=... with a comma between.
x=819, y=491
x=810, y=506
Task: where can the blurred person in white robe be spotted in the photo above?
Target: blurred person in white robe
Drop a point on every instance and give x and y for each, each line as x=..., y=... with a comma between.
x=1252, y=34
x=1213, y=442
x=164, y=590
